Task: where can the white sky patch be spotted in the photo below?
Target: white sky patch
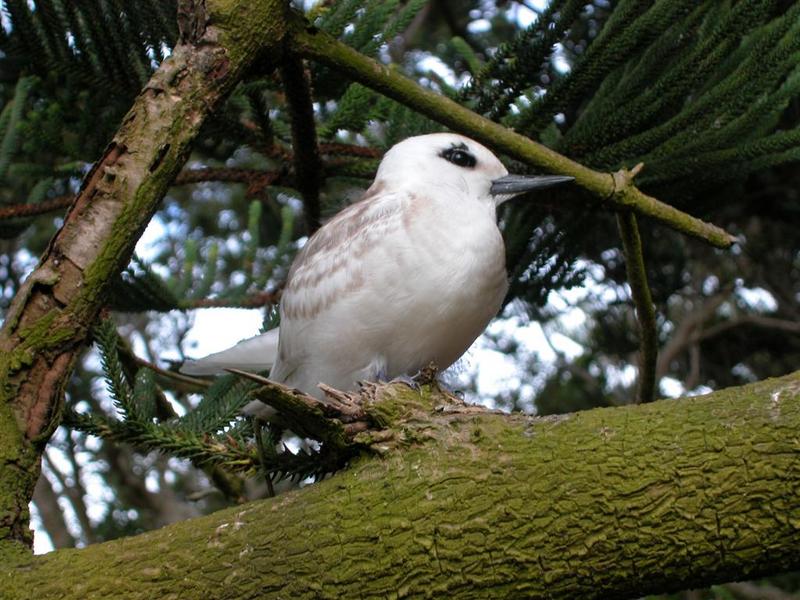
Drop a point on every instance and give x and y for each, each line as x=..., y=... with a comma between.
x=435, y=65
x=216, y=329
x=560, y=62
x=524, y=15
x=41, y=541
x=479, y=26
x=758, y=299
x=624, y=377
x=671, y=387
x=152, y=236
x=497, y=372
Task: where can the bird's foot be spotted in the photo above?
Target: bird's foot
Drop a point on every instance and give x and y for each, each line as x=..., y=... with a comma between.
x=425, y=376
x=409, y=381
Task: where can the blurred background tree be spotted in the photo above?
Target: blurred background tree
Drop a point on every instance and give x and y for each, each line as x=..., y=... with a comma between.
x=705, y=94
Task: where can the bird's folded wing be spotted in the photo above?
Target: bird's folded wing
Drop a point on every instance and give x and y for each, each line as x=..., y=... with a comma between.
x=335, y=261
x=254, y=354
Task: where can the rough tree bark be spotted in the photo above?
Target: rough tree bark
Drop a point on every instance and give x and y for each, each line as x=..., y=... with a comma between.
x=461, y=502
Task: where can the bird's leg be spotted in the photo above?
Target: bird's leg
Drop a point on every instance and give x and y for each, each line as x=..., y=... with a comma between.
x=408, y=380
x=378, y=371
x=425, y=376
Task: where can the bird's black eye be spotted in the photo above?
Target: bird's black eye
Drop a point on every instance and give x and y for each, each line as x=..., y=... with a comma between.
x=459, y=156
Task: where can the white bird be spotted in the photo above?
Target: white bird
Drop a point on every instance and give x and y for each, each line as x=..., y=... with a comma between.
x=408, y=276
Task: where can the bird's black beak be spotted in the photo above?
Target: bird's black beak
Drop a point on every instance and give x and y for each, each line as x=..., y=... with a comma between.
x=511, y=185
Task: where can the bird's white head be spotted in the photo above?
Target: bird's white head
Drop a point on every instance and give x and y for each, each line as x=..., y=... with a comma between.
x=449, y=160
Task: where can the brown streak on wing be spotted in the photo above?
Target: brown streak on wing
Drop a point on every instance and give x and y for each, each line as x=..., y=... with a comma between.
x=349, y=235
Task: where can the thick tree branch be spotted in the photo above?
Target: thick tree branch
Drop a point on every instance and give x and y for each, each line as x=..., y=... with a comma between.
x=464, y=502
x=617, y=188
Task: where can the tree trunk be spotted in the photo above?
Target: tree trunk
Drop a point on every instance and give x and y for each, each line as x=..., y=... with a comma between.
x=462, y=502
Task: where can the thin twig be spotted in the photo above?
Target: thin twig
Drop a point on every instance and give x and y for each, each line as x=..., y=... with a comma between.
x=350, y=150
x=685, y=333
x=193, y=384
x=255, y=179
x=645, y=313
x=16, y=211
x=754, y=320
x=247, y=176
x=306, y=415
x=256, y=300
x=307, y=162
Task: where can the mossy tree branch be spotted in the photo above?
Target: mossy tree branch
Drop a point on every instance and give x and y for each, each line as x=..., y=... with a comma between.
x=616, y=189
x=465, y=502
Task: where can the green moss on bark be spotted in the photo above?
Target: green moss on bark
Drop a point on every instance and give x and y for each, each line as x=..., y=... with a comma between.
x=607, y=503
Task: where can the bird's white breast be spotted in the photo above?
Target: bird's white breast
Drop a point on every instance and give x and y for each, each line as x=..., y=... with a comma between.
x=396, y=283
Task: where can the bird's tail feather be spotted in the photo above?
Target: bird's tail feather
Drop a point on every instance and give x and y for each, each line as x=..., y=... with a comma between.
x=253, y=354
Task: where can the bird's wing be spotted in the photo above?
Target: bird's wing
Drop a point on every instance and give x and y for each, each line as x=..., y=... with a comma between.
x=335, y=264
x=254, y=354
x=331, y=264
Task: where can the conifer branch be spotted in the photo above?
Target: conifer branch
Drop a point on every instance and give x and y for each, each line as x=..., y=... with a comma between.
x=333, y=422
x=202, y=450
x=318, y=45
x=642, y=300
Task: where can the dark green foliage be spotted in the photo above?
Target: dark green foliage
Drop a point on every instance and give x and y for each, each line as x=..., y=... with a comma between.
x=110, y=43
x=534, y=46
x=222, y=403
x=118, y=388
x=213, y=433
x=139, y=287
x=686, y=87
x=200, y=436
